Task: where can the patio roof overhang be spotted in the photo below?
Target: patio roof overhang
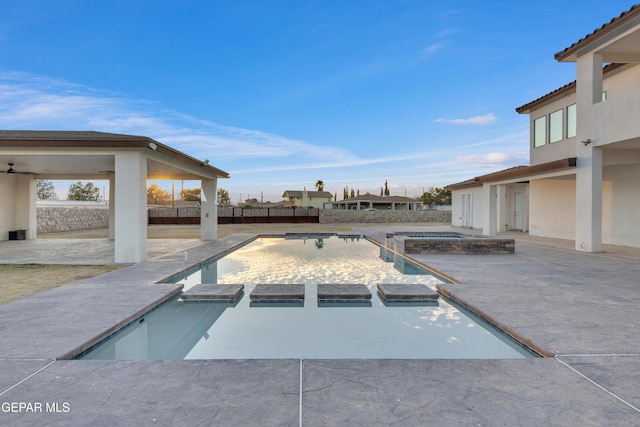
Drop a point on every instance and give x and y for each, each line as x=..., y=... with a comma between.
x=90, y=155
x=522, y=173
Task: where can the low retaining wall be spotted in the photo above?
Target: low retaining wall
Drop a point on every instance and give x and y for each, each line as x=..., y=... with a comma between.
x=470, y=245
x=55, y=219
x=352, y=216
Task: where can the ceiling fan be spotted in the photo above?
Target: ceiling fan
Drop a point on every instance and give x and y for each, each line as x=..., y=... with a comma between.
x=12, y=171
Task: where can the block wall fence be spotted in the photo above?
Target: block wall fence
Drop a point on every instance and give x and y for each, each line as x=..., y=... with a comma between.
x=58, y=219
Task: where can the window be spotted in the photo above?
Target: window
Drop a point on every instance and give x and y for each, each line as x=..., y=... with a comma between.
x=555, y=126
x=571, y=121
x=540, y=131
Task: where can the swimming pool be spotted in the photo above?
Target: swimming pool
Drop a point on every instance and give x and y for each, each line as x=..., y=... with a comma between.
x=246, y=329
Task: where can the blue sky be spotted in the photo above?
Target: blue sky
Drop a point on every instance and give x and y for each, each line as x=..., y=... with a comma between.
x=283, y=93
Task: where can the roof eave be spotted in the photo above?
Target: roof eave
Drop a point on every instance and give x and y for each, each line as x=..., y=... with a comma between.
x=515, y=173
x=571, y=53
x=564, y=90
x=99, y=140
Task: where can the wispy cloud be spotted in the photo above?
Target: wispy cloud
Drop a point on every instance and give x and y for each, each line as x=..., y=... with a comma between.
x=484, y=120
x=34, y=102
x=432, y=49
x=255, y=159
x=493, y=159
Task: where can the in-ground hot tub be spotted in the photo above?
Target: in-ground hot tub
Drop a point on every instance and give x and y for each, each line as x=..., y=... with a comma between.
x=448, y=243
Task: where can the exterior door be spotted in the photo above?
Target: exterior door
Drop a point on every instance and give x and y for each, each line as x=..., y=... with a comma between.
x=467, y=210
x=518, y=211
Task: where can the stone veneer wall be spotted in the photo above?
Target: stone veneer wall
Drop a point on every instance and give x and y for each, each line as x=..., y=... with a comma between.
x=56, y=219
x=337, y=216
x=423, y=246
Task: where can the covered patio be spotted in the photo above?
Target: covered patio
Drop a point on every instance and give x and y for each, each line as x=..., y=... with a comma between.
x=126, y=161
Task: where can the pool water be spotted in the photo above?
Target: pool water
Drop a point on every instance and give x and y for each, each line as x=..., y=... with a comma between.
x=247, y=329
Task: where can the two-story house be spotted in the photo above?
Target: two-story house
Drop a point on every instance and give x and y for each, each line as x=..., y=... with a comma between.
x=583, y=182
x=306, y=199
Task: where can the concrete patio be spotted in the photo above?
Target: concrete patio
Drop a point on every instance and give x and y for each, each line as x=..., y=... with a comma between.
x=582, y=308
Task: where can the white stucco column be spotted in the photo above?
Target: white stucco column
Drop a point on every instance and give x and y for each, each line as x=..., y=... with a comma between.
x=131, y=207
x=589, y=200
x=490, y=214
x=502, y=211
x=588, y=81
x=112, y=207
x=209, y=210
x=589, y=156
x=25, y=213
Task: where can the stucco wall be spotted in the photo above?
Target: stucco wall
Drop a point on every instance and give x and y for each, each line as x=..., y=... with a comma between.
x=7, y=207
x=387, y=216
x=552, y=151
x=620, y=205
x=56, y=219
x=476, y=207
x=552, y=207
x=615, y=119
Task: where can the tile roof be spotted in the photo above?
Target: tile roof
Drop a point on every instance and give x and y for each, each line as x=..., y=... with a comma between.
x=600, y=32
x=66, y=135
x=298, y=193
x=515, y=172
x=569, y=87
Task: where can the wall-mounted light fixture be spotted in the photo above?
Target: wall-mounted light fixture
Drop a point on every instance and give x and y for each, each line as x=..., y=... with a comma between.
x=586, y=142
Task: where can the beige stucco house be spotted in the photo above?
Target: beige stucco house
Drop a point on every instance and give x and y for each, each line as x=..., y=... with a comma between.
x=583, y=182
x=306, y=199
x=126, y=161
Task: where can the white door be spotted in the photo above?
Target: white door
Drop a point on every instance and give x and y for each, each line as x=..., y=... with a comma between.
x=518, y=211
x=464, y=210
x=467, y=210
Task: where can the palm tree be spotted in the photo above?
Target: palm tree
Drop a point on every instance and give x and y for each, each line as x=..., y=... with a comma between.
x=319, y=185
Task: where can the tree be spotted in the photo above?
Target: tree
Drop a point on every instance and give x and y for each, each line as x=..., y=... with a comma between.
x=190, y=195
x=45, y=190
x=353, y=193
x=87, y=192
x=158, y=196
x=223, y=197
x=386, y=188
x=436, y=196
x=319, y=185
x=345, y=193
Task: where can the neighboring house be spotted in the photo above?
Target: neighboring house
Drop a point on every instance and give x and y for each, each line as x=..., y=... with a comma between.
x=371, y=201
x=583, y=181
x=306, y=199
x=255, y=203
